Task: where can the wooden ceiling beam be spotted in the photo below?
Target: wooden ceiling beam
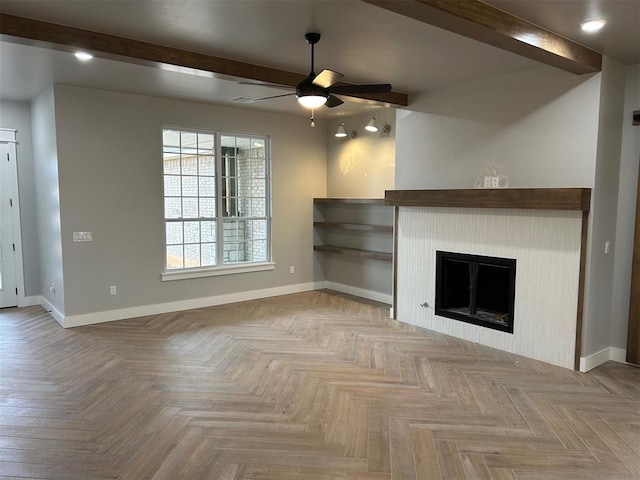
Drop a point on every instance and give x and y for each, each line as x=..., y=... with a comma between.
x=487, y=24
x=71, y=39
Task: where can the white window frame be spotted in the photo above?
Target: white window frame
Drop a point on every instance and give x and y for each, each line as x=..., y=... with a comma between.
x=221, y=268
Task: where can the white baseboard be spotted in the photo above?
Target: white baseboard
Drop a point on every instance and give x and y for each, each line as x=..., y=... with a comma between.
x=53, y=311
x=618, y=354
x=155, y=309
x=596, y=359
x=29, y=301
x=358, y=292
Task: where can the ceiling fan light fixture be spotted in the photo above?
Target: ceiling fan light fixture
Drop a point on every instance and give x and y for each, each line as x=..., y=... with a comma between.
x=341, y=132
x=593, y=25
x=372, y=126
x=312, y=101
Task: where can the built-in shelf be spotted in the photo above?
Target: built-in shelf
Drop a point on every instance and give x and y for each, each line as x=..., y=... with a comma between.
x=522, y=198
x=365, y=201
x=348, y=223
x=363, y=227
x=355, y=252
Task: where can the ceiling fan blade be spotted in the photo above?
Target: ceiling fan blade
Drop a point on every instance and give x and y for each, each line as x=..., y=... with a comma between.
x=333, y=101
x=274, y=96
x=326, y=78
x=270, y=85
x=351, y=89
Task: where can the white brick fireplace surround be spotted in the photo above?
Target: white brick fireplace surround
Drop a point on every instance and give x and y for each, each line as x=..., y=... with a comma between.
x=545, y=237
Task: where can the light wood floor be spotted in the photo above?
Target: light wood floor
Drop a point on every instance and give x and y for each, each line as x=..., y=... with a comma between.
x=305, y=386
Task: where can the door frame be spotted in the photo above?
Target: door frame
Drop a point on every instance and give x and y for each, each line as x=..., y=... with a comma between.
x=8, y=136
x=633, y=327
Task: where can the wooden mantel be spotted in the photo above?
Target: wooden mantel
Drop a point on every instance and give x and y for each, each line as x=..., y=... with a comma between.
x=521, y=198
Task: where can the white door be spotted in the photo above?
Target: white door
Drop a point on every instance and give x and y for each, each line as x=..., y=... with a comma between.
x=8, y=292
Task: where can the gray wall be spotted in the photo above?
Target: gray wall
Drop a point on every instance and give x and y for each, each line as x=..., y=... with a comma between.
x=363, y=166
x=540, y=125
x=110, y=164
x=604, y=201
x=17, y=115
x=45, y=159
x=627, y=190
x=545, y=128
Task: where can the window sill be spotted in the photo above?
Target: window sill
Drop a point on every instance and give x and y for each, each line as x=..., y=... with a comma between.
x=216, y=271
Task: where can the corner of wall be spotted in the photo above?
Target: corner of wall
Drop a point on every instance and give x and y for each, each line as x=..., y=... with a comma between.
x=600, y=271
x=47, y=193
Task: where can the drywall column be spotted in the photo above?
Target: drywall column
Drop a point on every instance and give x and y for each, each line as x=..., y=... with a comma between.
x=627, y=190
x=604, y=201
x=45, y=155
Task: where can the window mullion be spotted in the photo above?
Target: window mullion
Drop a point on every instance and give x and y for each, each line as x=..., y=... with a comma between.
x=267, y=187
x=219, y=206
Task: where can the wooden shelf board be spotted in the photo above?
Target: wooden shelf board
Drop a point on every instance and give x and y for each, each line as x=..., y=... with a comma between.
x=355, y=252
x=366, y=201
x=363, y=227
x=520, y=198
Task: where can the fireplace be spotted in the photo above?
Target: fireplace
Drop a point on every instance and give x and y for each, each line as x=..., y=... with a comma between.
x=476, y=289
x=545, y=230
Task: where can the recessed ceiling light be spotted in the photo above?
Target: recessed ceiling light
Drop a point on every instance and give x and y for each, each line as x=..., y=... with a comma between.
x=83, y=56
x=593, y=25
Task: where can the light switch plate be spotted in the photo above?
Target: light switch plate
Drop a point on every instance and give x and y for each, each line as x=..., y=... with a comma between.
x=82, y=237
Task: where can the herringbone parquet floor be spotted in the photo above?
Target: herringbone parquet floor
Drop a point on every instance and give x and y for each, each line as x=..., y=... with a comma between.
x=306, y=386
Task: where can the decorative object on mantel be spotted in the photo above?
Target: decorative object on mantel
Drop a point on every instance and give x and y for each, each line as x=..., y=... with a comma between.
x=492, y=177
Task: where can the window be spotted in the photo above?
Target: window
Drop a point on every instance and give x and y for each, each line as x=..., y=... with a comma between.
x=216, y=200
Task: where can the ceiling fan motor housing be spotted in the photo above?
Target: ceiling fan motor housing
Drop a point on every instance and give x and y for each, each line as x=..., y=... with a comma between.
x=307, y=88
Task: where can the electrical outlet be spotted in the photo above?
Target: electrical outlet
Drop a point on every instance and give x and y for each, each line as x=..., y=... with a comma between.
x=292, y=269
x=82, y=237
x=52, y=289
x=495, y=182
x=607, y=248
x=113, y=290
x=487, y=182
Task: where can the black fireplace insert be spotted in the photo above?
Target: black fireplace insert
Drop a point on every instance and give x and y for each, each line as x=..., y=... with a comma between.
x=476, y=289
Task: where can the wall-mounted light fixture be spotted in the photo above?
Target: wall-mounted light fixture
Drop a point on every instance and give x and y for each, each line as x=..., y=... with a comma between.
x=372, y=126
x=341, y=132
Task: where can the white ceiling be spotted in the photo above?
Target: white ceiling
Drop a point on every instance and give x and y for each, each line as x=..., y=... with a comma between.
x=365, y=43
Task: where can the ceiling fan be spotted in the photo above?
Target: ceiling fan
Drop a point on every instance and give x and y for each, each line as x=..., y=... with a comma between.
x=317, y=90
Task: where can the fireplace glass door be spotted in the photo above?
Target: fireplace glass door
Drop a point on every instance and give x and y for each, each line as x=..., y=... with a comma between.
x=476, y=289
